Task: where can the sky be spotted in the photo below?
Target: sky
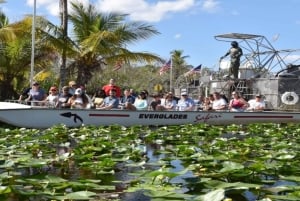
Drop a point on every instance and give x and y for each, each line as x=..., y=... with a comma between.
x=190, y=25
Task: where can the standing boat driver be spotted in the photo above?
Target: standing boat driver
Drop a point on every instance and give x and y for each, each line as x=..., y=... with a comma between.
x=235, y=53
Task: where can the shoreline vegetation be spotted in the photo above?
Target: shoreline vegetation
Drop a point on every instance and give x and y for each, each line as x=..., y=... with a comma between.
x=188, y=162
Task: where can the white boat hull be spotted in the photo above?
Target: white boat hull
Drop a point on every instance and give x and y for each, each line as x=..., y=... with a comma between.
x=29, y=117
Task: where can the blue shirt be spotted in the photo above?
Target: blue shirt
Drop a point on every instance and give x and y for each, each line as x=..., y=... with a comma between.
x=183, y=104
x=37, y=95
x=111, y=101
x=128, y=99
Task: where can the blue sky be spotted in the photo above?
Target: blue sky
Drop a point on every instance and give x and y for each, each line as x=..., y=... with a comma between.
x=190, y=25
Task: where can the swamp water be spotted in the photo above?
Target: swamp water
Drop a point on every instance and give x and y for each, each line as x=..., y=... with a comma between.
x=256, y=162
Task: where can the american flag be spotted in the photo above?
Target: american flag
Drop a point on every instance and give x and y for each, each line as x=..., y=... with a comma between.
x=118, y=65
x=194, y=70
x=165, y=67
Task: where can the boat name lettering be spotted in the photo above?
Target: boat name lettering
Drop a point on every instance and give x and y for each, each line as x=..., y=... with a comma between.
x=206, y=117
x=163, y=116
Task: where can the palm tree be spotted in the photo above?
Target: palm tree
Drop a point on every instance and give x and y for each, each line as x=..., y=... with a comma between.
x=100, y=39
x=63, y=5
x=178, y=63
x=6, y=33
x=15, y=56
x=179, y=67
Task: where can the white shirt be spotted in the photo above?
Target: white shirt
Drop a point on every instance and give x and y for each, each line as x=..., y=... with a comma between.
x=253, y=104
x=52, y=98
x=217, y=104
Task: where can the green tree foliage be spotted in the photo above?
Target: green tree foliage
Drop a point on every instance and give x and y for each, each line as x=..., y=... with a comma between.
x=101, y=39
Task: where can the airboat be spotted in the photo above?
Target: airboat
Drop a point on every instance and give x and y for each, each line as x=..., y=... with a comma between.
x=263, y=70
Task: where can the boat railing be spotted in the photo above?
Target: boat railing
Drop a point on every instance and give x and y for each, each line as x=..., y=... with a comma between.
x=34, y=104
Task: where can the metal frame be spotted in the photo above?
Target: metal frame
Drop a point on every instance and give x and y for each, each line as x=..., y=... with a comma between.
x=259, y=52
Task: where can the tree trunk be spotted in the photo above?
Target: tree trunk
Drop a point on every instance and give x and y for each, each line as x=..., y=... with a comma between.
x=63, y=5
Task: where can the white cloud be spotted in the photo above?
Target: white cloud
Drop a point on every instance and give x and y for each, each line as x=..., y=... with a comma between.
x=177, y=36
x=141, y=10
x=53, y=6
x=292, y=58
x=210, y=6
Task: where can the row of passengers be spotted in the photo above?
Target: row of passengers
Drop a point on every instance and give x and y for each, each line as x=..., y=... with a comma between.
x=37, y=97
x=171, y=103
x=71, y=96
x=36, y=94
x=236, y=104
x=65, y=99
x=127, y=101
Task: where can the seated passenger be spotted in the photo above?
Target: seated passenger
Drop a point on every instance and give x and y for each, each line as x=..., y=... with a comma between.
x=257, y=104
x=156, y=102
x=237, y=103
x=78, y=100
x=36, y=95
x=110, y=102
x=63, y=98
x=207, y=104
x=24, y=95
x=98, y=98
x=72, y=87
x=52, y=98
x=219, y=103
x=185, y=103
x=140, y=102
x=169, y=103
x=126, y=98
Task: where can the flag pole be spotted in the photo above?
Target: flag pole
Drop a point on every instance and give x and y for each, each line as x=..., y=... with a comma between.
x=32, y=43
x=171, y=71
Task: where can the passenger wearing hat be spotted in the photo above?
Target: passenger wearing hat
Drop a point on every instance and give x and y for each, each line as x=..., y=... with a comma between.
x=78, y=100
x=256, y=104
x=186, y=103
x=36, y=95
x=52, y=98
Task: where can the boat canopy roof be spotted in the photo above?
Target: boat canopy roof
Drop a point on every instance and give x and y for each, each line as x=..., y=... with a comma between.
x=237, y=36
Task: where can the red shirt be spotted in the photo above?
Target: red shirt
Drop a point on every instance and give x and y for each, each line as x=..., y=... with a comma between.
x=108, y=87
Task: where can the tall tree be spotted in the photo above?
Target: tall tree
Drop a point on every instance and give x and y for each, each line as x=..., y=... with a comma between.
x=100, y=39
x=63, y=5
x=15, y=56
x=179, y=64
